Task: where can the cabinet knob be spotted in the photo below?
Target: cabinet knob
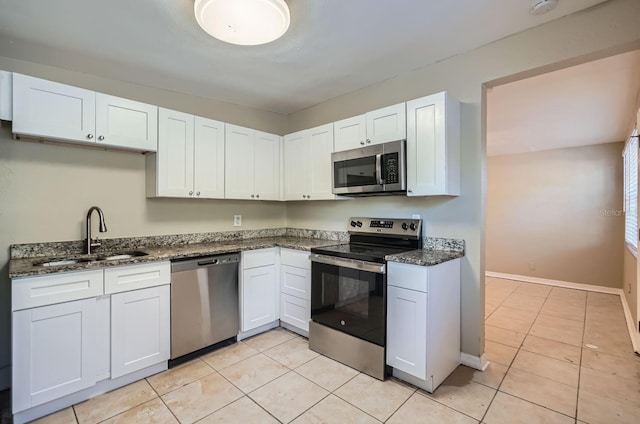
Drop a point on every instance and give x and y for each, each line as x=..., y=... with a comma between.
x=101, y=137
x=257, y=196
x=90, y=136
x=304, y=196
x=308, y=196
x=368, y=141
x=362, y=142
x=409, y=191
x=191, y=193
x=198, y=193
x=252, y=196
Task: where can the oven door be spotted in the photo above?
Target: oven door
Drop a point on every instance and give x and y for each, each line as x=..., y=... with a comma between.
x=349, y=296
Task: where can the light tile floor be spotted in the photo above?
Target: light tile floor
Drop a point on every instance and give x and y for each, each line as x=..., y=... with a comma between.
x=557, y=356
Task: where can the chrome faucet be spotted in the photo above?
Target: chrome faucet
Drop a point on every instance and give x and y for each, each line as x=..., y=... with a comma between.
x=103, y=228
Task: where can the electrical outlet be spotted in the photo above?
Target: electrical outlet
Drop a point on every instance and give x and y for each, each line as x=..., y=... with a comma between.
x=237, y=220
x=415, y=216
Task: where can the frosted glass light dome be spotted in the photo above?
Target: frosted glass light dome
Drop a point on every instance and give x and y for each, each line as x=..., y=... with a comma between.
x=244, y=22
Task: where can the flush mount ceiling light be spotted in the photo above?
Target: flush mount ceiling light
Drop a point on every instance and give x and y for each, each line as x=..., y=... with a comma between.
x=244, y=22
x=540, y=7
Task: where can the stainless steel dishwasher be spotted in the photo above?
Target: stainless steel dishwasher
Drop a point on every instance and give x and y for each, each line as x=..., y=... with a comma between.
x=204, y=302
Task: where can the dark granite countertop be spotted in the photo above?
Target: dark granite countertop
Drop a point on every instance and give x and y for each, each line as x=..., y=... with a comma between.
x=25, y=267
x=425, y=257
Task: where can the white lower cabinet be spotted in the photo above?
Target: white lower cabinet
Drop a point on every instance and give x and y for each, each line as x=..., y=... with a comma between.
x=295, y=289
x=140, y=329
x=83, y=342
x=54, y=351
x=259, y=289
x=423, y=322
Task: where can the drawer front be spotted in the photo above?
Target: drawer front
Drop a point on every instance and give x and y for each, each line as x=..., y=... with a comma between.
x=56, y=288
x=406, y=276
x=134, y=277
x=297, y=258
x=295, y=311
x=260, y=257
x=296, y=282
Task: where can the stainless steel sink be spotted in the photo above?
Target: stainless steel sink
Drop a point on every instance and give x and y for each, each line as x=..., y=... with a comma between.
x=64, y=261
x=111, y=256
x=115, y=256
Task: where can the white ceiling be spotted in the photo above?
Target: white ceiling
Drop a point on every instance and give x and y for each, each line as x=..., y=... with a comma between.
x=332, y=47
x=582, y=105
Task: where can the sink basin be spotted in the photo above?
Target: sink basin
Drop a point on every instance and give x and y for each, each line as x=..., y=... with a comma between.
x=115, y=256
x=63, y=261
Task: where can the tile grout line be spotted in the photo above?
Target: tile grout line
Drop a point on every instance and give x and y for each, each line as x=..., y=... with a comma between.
x=584, y=330
x=162, y=400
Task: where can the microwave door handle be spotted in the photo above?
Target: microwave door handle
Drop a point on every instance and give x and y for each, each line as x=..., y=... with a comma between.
x=379, y=169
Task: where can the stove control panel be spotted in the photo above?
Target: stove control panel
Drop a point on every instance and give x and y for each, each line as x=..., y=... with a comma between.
x=390, y=227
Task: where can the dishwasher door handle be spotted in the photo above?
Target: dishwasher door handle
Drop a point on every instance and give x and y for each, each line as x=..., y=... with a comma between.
x=208, y=262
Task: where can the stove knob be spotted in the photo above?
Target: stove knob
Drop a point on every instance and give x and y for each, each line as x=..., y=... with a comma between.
x=359, y=224
x=412, y=226
x=404, y=226
x=353, y=223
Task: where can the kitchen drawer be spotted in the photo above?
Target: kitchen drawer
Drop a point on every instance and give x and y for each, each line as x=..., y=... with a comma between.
x=55, y=288
x=405, y=276
x=260, y=257
x=296, y=282
x=297, y=258
x=134, y=277
x=295, y=311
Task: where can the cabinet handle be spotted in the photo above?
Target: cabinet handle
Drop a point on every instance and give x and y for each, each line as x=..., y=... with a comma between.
x=362, y=143
x=191, y=193
x=198, y=193
x=90, y=136
x=101, y=138
x=368, y=141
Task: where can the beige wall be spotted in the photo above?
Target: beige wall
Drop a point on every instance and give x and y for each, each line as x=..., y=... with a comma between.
x=46, y=190
x=558, y=211
x=600, y=31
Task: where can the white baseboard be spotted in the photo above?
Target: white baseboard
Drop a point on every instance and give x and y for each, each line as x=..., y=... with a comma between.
x=631, y=325
x=5, y=377
x=479, y=363
x=556, y=283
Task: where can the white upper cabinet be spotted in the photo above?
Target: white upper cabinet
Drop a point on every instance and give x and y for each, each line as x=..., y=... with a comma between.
x=308, y=164
x=125, y=123
x=433, y=146
x=56, y=111
x=252, y=164
x=190, y=158
x=6, y=101
x=44, y=108
x=378, y=126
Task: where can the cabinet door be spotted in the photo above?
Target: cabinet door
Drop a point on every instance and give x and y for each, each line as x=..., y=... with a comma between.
x=296, y=281
x=433, y=146
x=297, y=175
x=321, y=146
x=295, y=311
x=209, y=158
x=350, y=133
x=387, y=124
x=260, y=295
x=53, y=352
x=407, y=331
x=139, y=329
x=126, y=123
x=48, y=109
x=6, y=90
x=175, y=154
x=239, y=162
x=267, y=166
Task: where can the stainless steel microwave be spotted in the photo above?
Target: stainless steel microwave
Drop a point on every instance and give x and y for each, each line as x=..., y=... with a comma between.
x=370, y=171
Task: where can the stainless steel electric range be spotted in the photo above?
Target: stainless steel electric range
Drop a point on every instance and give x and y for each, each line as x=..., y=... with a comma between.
x=348, y=291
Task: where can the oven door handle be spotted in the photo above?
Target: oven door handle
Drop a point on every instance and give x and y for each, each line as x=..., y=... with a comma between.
x=379, y=169
x=349, y=263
